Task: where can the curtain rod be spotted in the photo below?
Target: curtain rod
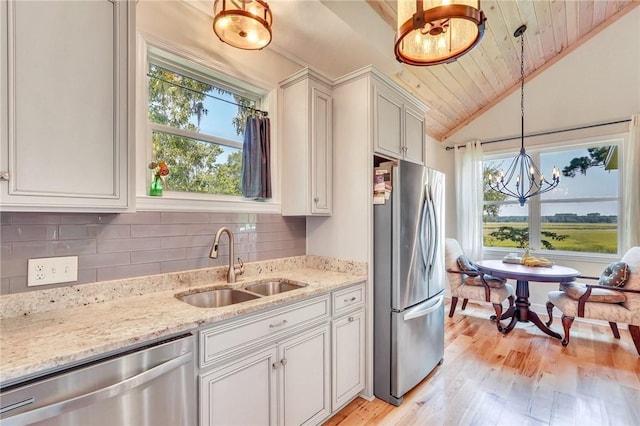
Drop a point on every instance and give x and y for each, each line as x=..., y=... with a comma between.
x=254, y=110
x=551, y=132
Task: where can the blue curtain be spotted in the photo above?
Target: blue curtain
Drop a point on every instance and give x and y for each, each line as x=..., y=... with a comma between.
x=256, y=158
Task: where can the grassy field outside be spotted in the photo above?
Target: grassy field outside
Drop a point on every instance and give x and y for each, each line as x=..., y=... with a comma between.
x=583, y=237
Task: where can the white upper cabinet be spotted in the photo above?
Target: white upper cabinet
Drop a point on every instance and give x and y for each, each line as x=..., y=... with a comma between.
x=388, y=121
x=307, y=145
x=398, y=125
x=67, y=83
x=414, y=138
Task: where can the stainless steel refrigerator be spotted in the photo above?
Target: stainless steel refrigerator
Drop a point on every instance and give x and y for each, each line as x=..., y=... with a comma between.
x=408, y=281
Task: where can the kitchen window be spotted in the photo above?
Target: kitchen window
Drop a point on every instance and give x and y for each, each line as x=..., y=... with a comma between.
x=195, y=119
x=580, y=215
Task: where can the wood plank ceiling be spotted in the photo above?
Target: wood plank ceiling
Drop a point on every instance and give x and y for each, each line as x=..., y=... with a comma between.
x=459, y=92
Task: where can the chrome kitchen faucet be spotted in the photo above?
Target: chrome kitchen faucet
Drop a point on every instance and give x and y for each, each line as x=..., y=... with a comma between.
x=233, y=270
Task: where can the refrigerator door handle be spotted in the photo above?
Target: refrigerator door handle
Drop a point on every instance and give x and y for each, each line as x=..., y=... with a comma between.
x=412, y=314
x=424, y=218
x=435, y=237
x=428, y=232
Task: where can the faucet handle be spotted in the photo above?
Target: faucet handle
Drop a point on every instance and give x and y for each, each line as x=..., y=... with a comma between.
x=239, y=269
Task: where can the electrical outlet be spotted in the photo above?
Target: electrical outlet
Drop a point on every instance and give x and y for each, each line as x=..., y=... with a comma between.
x=52, y=270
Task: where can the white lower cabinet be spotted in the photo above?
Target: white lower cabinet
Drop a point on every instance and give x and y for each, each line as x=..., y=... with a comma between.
x=268, y=368
x=284, y=384
x=241, y=392
x=303, y=377
x=291, y=365
x=348, y=345
x=347, y=358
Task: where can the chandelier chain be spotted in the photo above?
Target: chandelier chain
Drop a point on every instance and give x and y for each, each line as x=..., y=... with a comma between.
x=522, y=80
x=523, y=178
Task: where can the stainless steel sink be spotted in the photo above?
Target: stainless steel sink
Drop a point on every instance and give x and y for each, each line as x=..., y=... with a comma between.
x=217, y=298
x=268, y=288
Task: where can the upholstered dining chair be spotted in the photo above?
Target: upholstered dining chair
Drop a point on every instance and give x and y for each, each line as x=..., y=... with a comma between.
x=467, y=283
x=615, y=298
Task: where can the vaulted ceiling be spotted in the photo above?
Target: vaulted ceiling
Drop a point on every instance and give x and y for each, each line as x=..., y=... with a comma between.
x=460, y=91
x=336, y=37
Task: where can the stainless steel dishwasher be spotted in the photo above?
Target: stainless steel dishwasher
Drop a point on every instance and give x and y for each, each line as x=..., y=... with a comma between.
x=152, y=385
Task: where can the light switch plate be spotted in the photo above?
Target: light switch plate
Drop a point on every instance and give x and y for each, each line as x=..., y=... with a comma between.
x=52, y=270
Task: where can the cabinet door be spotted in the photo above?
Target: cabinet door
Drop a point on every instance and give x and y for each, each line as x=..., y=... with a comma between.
x=414, y=135
x=67, y=76
x=388, y=122
x=304, y=366
x=307, y=145
x=321, y=151
x=348, y=358
x=241, y=392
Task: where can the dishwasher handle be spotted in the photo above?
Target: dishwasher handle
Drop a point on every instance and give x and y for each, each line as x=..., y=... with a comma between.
x=48, y=411
x=423, y=312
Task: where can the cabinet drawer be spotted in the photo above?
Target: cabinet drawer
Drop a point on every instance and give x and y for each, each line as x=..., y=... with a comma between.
x=221, y=341
x=348, y=299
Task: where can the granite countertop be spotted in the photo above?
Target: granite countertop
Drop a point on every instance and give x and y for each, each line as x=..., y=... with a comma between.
x=42, y=331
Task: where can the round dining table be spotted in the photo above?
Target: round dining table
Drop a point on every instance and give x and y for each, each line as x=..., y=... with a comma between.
x=523, y=274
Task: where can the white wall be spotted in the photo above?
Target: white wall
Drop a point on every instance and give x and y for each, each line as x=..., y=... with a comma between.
x=438, y=158
x=188, y=27
x=596, y=83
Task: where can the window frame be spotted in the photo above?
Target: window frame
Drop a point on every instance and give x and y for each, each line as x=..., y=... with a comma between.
x=194, y=66
x=534, y=204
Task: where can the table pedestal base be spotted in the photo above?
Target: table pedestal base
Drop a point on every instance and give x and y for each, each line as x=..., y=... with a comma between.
x=522, y=312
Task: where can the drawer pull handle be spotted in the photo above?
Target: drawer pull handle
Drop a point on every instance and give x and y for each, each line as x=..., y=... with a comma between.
x=351, y=319
x=279, y=364
x=353, y=299
x=280, y=324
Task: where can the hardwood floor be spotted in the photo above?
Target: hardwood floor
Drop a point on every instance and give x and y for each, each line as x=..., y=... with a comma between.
x=525, y=377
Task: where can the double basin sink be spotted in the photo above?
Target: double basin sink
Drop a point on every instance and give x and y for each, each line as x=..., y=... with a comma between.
x=229, y=296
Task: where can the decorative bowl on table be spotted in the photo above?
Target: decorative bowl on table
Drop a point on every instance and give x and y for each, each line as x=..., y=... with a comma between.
x=512, y=258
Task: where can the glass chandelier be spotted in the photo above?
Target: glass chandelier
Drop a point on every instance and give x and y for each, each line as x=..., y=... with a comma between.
x=523, y=179
x=432, y=32
x=245, y=24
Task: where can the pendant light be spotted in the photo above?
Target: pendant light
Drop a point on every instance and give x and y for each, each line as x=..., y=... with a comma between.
x=245, y=24
x=432, y=32
x=523, y=179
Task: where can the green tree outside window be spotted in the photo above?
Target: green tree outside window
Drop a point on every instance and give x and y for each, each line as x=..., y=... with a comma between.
x=195, y=165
